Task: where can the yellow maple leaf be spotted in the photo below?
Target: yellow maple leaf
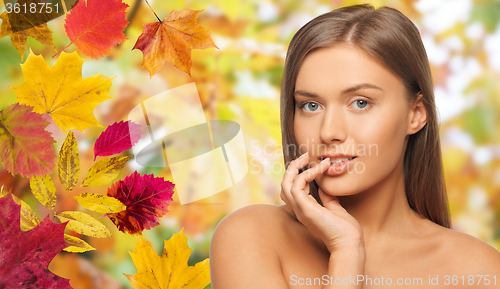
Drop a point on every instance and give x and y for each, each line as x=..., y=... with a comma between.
x=170, y=270
x=61, y=92
x=172, y=40
x=41, y=33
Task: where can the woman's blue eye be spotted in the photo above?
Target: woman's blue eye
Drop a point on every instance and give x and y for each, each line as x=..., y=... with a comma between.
x=361, y=103
x=312, y=106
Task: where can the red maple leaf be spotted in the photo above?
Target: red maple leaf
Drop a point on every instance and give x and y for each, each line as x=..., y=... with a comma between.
x=25, y=256
x=25, y=145
x=95, y=26
x=146, y=197
x=117, y=138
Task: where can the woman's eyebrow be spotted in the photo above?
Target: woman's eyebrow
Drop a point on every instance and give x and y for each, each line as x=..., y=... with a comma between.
x=345, y=91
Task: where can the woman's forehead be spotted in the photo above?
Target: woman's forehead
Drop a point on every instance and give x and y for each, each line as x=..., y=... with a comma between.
x=344, y=66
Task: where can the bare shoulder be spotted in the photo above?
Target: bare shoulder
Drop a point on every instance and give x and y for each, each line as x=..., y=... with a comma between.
x=254, y=213
x=243, y=249
x=251, y=219
x=254, y=225
x=469, y=253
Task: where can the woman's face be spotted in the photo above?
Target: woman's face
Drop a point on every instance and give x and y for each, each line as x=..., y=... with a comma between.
x=346, y=102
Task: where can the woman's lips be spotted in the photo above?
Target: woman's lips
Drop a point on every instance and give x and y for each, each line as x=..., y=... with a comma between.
x=340, y=168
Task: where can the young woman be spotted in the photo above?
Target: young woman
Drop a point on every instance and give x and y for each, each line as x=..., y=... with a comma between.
x=366, y=205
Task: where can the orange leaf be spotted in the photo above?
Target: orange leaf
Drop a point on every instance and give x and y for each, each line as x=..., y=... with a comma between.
x=172, y=40
x=97, y=25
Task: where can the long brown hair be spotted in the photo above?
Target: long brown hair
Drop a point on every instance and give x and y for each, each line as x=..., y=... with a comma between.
x=388, y=35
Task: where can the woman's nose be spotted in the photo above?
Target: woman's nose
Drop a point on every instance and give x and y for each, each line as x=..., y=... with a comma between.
x=333, y=126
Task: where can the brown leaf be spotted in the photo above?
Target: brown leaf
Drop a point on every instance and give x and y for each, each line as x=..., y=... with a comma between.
x=18, y=38
x=172, y=40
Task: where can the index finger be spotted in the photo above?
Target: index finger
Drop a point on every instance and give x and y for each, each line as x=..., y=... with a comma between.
x=293, y=168
x=310, y=174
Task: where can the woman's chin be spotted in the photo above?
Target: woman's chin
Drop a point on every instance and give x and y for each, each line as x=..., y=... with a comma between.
x=339, y=193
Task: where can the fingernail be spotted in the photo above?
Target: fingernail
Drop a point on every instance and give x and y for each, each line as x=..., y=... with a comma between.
x=303, y=155
x=326, y=160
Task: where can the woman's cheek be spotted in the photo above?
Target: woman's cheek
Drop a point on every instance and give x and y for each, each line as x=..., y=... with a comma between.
x=306, y=135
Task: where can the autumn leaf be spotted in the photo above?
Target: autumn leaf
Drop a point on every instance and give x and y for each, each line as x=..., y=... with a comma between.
x=61, y=91
x=84, y=224
x=44, y=190
x=104, y=171
x=69, y=162
x=94, y=26
x=100, y=203
x=18, y=36
x=146, y=197
x=172, y=40
x=170, y=270
x=118, y=137
x=25, y=256
x=25, y=16
x=25, y=145
x=29, y=219
x=77, y=245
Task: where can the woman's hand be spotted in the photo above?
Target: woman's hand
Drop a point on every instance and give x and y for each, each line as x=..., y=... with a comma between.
x=332, y=223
